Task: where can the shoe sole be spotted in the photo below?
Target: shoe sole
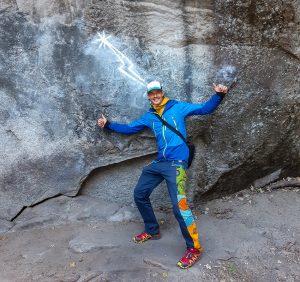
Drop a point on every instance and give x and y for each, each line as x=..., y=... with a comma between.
x=153, y=237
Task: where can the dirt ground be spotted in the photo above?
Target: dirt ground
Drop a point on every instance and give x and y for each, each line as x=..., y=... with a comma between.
x=249, y=236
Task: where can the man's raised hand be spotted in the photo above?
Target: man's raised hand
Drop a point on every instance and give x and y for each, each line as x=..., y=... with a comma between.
x=220, y=88
x=102, y=121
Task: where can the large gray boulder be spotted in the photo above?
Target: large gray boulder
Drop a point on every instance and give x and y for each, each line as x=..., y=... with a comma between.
x=56, y=81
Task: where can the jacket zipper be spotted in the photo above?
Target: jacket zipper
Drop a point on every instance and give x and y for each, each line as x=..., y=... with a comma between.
x=153, y=128
x=163, y=133
x=175, y=123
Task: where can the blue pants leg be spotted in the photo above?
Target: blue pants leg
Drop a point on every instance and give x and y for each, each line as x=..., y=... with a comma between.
x=176, y=183
x=175, y=175
x=149, y=179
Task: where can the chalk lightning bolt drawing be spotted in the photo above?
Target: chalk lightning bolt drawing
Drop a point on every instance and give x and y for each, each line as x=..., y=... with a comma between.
x=127, y=67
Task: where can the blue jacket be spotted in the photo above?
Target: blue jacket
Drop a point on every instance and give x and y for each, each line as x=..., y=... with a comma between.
x=170, y=145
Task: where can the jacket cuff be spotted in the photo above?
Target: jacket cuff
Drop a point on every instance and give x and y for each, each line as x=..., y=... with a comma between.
x=221, y=95
x=106, y=126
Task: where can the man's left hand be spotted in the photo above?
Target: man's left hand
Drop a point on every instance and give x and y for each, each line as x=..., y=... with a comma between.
x=220, y=88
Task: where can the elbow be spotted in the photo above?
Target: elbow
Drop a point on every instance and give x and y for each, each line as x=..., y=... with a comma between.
x=209, y=111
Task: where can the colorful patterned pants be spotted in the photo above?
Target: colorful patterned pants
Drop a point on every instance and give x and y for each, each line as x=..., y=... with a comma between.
x=174, y=172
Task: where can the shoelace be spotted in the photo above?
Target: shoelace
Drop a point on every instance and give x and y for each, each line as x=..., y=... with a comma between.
x=189, y=254
x=143, y=236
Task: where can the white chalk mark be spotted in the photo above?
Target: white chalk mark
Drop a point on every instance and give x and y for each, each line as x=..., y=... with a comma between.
x=127, y=67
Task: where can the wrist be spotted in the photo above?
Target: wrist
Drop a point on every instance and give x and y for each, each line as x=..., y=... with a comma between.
x=221, y=94
x=106, y=124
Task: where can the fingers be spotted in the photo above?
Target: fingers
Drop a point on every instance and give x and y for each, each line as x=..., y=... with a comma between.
x=220, y=88
x=101, y=122
x=223, y=88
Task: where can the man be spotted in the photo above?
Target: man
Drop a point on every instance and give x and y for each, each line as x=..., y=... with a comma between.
x=170, y=164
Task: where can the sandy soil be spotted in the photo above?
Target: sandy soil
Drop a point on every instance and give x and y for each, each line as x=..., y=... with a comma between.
x=250, y=236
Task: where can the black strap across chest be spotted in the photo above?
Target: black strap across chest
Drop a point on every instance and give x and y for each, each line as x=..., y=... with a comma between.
x=171, y=127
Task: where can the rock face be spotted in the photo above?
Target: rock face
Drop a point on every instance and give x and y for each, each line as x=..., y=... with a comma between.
x=56, y=81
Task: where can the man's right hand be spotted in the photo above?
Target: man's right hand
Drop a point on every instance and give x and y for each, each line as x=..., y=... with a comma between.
x=102, y=121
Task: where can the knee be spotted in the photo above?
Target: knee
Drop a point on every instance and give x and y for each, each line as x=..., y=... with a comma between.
x=138, y=195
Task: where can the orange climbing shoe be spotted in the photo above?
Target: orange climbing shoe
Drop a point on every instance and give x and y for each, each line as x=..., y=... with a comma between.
x=144, y=236
x=190, y=257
